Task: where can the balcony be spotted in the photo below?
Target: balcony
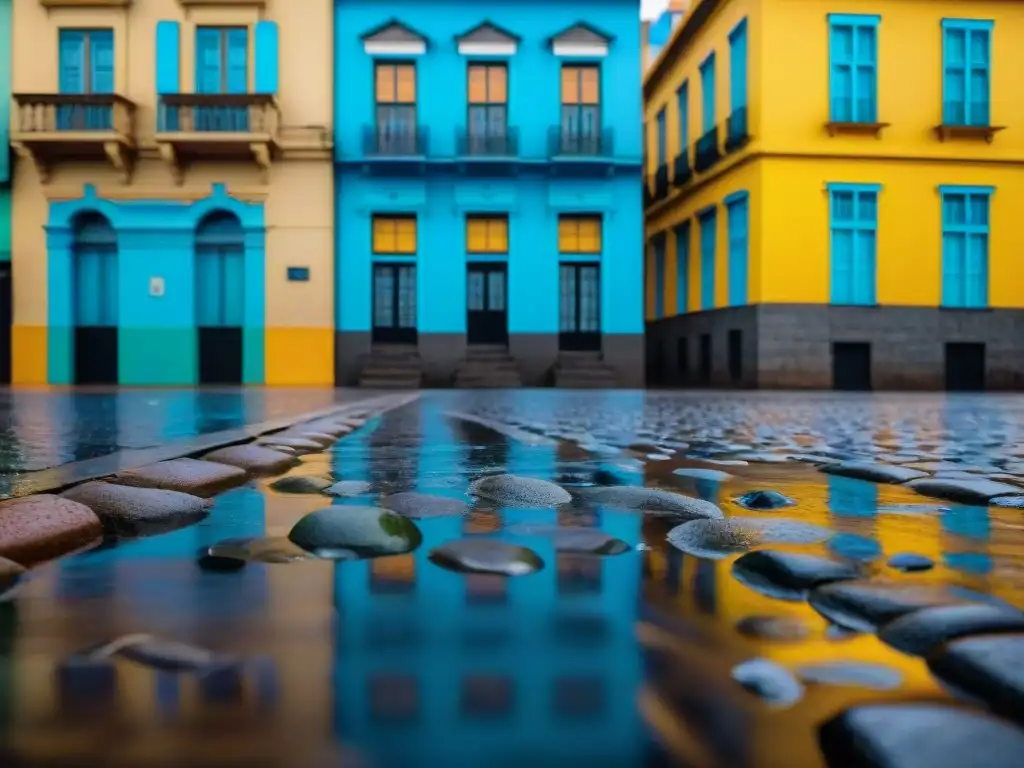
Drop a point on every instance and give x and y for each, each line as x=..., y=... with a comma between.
x=681, y=171
x=233, y=126
x=706, y=152
x=54, y=127
x=967, y=120
x=661, y=183
x=395, y=142
x=566, y=143
x=737, y=133
x=648, y=198
x=500, y=144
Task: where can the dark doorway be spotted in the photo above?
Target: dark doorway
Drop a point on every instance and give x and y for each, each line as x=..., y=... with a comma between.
x=220, y=298
x=5, y=322
x=487, y=304
x=735, y=349
x=851, y=366
x=683, y=360
x=96, y=295
x=965, y=367
x=579, y=307
x=705, y=359
x=394, y=304
x=655, y=358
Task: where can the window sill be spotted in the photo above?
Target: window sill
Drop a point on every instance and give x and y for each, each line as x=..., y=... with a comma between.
x=85, y=3
x=986, y=132
x=835, y=128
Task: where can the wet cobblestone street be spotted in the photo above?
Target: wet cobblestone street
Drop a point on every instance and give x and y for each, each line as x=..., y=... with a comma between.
x=701, y=579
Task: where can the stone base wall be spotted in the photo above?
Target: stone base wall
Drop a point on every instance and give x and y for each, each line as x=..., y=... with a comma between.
x=790, y=346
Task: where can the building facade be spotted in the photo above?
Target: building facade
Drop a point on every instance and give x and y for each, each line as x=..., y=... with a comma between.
x=172, y=207
x=486, y=190
x=6, y=299
x=831, y=188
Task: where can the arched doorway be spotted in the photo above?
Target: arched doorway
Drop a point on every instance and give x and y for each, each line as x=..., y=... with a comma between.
x=220, y=298
x=95, y=308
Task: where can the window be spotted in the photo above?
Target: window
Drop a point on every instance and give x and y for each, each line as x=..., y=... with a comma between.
x=737, y=206
x=393, y=698
x=708, y=220
x=853, y=71
x=966, y=71
x=488, y=101
x=683, y=101
x=662, y=138
x=734, y=342
x=86, y=66
x=394, y=234
x=682, y=267
x=707, y=86
x=222, y=66
x=579, y=234
x=395, y=107
x=487, y=696
x=487, y=234
x=738, y=66
x=704, y=363
x=965, y=230
x=581, y=105
x=659, y=277
x=853, y=221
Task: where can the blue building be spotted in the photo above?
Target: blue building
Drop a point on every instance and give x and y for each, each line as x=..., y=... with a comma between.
x=488, y=167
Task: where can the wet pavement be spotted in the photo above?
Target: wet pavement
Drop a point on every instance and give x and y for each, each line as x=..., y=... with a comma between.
x=687, y=579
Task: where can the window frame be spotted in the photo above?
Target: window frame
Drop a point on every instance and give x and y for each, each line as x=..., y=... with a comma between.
x=658, y=252
x=733, y=204
x=661, y=123
x=708, y=86
x=967, y=69
x=683, y=109
x=967, y=230
x=683, y=232
x=854, y=23
x=707, y=287
x=87, y=34
x=488, y=105
x=854, y=226
x=397, y=103
x=739, y=41
x=394, y=219
x=487, y=220
x=223, y=31
x=580, y=106
x=580, y=219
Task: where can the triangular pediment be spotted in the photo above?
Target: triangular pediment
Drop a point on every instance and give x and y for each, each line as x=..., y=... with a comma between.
x=582, y=34
x=487, y=32
x=393, y=31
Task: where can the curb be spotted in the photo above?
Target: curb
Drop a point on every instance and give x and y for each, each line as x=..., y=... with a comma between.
x=37, y=526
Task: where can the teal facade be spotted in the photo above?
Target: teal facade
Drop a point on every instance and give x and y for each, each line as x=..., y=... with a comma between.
x=148, y=282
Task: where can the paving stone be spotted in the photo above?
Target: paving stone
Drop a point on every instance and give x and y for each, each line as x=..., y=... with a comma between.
x=716, y=539
x=874, y=472
x=978, y=491
x=866, y=605
x=922, y=631
x=486, y=556
x=300, y=444
x=986, y=667
x=789, y=575
x=254, y=459
x=130, y=511
x=909, y=562
x=919, y=736
x=44, y=526
x=653, y=501
x=770, y=681
x=194, y=476
x=876, y=677
x=423, y=505
x=320, y=438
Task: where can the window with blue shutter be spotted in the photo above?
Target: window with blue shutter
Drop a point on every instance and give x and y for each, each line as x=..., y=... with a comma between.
x=965, y=232
x=853, y=68
x=659, y=277
x=853, y=225
x=707, y=86
x=737, y=207
x=682, y=267
x=222, y=66
x=708, y=221
x=86, y=67
x=683, y=100
x=966, y=71
x=267, y=57
x=662, y=137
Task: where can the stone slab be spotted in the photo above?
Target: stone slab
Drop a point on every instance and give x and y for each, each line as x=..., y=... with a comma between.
x=194, y=476
x=127, y=510
x=37, y=528
x=254, y=459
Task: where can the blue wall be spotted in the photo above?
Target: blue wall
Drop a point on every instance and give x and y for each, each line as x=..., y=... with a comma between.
x=440, y=193
x=157, y=341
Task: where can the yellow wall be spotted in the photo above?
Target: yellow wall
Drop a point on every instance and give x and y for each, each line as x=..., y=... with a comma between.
x=791, y=156
x=298, y=195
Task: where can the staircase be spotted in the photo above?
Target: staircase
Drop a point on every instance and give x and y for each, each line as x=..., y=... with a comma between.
x=583, y=370
x=487, y=366
x=392, y=366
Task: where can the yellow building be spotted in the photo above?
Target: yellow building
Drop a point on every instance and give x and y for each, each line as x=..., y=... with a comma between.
x=173, y=195
x=831, y=195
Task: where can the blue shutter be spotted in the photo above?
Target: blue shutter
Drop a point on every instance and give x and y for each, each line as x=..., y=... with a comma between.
x=738, y=66
x=976, y=272
x=707, y=84
x=954, y=76
x=953, y=251
x=707, y=261
x=979, y=62
x=233, y=285
x=865, y=105
x=684, y=117
x=208, y=287
x=682, y=267
x=88, y=286
x=662, y=138
x=108, y=288
x=739, y=247
x=72, y=61
x=659, y=279
x=168, y=57
x=209, y=77
x=842, y=266
x=237, y=80
x=840, y=53
x=101, y=60
x=267, y=57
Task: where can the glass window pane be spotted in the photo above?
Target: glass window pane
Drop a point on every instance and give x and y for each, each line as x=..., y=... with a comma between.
x=497, y=84
x=385, y=83
x=406, y=85
x=567, y=299
x=383, y=297
x=842, y=206
x=475, y=291
x=590, y=86
x=477, y=84
x=496, y=291
x=570, y=85
x=407, y=297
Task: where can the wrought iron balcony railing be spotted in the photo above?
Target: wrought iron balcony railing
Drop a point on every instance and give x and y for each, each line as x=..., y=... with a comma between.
x=706, y=152
x=492, y=143
x=569, y=142
x=395, y=140
x=255, y=113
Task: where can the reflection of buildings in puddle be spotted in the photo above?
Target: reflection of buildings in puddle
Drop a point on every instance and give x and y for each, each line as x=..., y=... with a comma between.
x=966, y=534
x=853, y=508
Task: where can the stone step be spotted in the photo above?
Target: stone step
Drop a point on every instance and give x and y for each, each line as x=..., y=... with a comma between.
x=585, y=372
x=481, y=367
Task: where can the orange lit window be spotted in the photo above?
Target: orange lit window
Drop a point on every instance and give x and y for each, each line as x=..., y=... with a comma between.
x=581, y=85
x=394, y=234
x=487, y=235
x=396, y=83
x=579, y=234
